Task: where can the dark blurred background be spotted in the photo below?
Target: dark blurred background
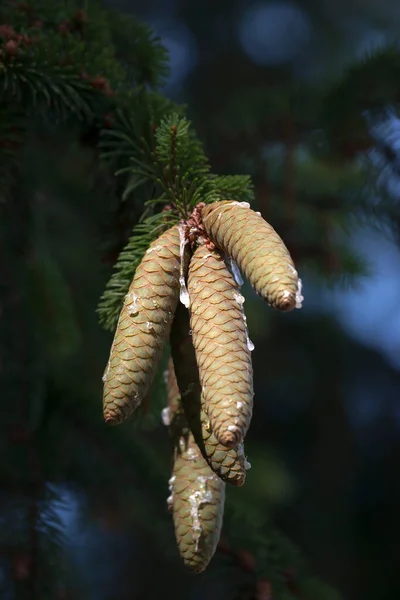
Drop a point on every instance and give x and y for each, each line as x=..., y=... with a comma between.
x=324, y=443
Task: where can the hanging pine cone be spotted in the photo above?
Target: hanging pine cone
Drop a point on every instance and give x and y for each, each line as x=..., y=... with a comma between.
x=198, y=497
x=259, y=252
x=197, y=494
x=221, y=342
x=228, y=463
x=143, y=327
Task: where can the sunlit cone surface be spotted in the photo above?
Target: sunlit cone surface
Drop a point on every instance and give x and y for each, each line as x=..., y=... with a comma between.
x=198, y=497
x=143, y=327
x=257, y=249
x=219, y=336
x=227, y=463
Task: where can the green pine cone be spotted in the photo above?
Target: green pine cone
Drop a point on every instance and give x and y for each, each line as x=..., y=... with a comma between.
x=219, y=334
x=143, y=327
x=228, y=463
x=197, y=500
x=259, y=252
x=197, y=495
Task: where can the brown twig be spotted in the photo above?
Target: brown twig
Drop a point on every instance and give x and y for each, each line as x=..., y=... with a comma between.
x=194, y=229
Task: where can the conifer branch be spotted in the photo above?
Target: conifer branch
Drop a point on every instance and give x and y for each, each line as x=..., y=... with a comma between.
x=239, y=187
x=138, y=49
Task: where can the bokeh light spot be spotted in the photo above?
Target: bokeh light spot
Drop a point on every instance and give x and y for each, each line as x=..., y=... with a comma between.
x=182, y=49
x=274, y=33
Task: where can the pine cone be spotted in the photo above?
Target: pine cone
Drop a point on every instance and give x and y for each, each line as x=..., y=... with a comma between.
x=197, y=494
x=197, y=497
x=219, y=336
x=228, y=463
x=143, y=327
x=254, y=245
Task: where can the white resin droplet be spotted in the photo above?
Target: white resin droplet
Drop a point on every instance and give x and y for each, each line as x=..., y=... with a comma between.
x=236, y=272
x=191, y=454
x=149, y=326
x=247, y=465
x=132, y=310
x=154, y=249
x=166, y=416
x=183, y=294
x=243, y=204
x=299, y=296
x=197, y=499
x=250, y=345
x=107, y=369
x=170, y=498
x=258, y=214
x=166, y=376
x=239, y=298
x=133, y=306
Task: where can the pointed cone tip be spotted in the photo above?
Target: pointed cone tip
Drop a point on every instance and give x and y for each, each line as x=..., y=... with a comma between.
x=112, y=419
